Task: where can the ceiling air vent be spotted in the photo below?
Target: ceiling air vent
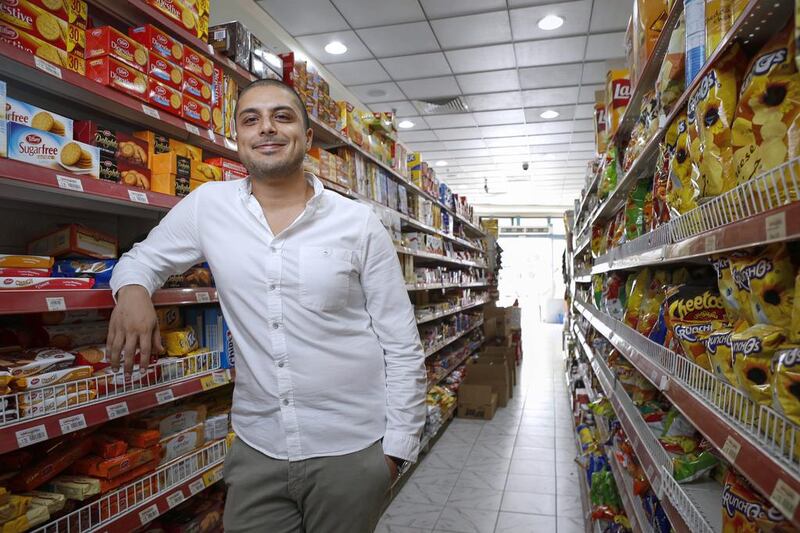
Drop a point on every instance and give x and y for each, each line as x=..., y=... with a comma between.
x=439, y=106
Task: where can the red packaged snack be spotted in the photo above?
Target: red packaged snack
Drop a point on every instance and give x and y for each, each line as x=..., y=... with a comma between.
x=217, y=101
x=198, y=64
x=164, y=71
x=31, y=283
x=158, y=42
x=106, y=41
x=25, y=272
x=52, y=463
x=96, y=134
x=196, y=111
x=110, y=484
x=75, y=240
x=138, y=438
x=72, y=11
x=40, y=23
x=113, y=73
x=231, y=170
x=107, y=446
x=197, y=87
x=36, y=47
x=93, y=356
x=93, y=465
x=164, y=97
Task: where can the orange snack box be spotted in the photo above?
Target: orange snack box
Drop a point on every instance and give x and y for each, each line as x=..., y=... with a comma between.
x=36, y=47
x=25, y=261
x=105, y=41
x=122, y=77
x=111, y=484
x=52, y=463
x=107, y=446
x=138, y=438
x=40, y=23
x=93, y=465
x=186, y=150
x=75, y=239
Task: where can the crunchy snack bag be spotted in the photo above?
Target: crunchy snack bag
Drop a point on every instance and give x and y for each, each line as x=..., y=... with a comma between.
x=614, y=295
x=634, y=209
x=718, y=348
x=694, y=310
x=608, y=182
x=786, y=384
x=651, y=303
x=682, y=191
x=618, y=94
x=597, y=290
x=752, y=351
x=794, y=326
x=772, y=286
x=635, y=297
x=727, y=288
x=744, y=511
x=666, y=151
x=765, y=132
x=742, y=269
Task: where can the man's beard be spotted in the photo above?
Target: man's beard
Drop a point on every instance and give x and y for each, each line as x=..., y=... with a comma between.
x=262, y=169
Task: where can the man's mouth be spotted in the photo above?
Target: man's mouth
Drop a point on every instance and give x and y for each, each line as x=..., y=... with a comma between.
x=268, y=147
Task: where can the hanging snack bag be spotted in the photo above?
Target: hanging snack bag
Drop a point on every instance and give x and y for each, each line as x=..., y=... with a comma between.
x=752, y=351
x=666, y=150
x=614, y=294
x=718, y=348
x=719, y=19
x=772, y=286
x=634, y=209
x=671, y=78
x=598, y=238
x=682, y=191
x=727, y=287
x=744, y=511
x=794, y=326
x=618, y=94
x=786, y=385
x=597, y=289
x=648, y=313
x=608, y=182
x=743, y=267
x=692, y=312
x=637, y=293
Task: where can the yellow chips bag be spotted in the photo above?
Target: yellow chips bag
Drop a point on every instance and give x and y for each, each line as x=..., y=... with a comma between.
x=718, y=348
x=637, y=293
x=745, y=511
x=694, y=312
x=786, y=386
x=752, y=351
x=772, y=286
x=727, y=289
x=743, y=266
x=682, y=192
x=651, y=303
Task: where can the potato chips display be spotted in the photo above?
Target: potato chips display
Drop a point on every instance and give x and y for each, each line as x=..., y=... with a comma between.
x=752, y=351
x=744, y=511
x=786, y=386
x=693, y=313
x=771, y=278
x=682, y=189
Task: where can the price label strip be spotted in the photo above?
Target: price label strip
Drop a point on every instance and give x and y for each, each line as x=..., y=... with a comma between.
x=117, y=410
x=46, y=66
x=56, y=303
x=785, y=498
x=176, y=498
x=149, y=514
x=32, y=435
x=164, y=396
x=710, y=243
x=191, y=128
x=776, y=226
x=138, y=196
x=202, y=297
x=731, y=449
x=69, y=184
x=72, y=423
x=150, y=112
x=196, y=486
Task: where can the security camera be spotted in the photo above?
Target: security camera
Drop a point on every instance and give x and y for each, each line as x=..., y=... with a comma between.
x=525, y=165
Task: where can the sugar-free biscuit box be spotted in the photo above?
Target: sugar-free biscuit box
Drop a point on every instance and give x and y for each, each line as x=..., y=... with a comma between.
x=53, y=151
x=44, y=25
x=106, y=41
x=36, y=117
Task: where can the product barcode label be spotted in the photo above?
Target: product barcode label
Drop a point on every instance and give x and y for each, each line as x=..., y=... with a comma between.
x=69, y=184
x=150, y=112
x=710, y=243
x=202, y=297
x=731, y=449
x=776, y=226
x=785, y=498
x=191, y=128
x=148, y=515
x=138, y=197
x=56, y=303
x=117, y=410
x=32, y=435
x=196, y=486
x=48, y=67
x=72, y=423
x=219, y=378
x=164, y=396
x=176, y=498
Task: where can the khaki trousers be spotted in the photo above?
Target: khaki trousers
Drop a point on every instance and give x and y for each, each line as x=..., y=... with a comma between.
x=339, y=494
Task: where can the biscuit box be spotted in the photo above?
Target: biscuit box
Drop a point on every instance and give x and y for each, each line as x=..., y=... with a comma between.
x=196, y=111
x=108, y=168
x=164, y=97
x=46, y=149
x=108, y=71
x=197, y=64
x=75, y=240
x=231, y=170
x=185, y=150
x=91, y=132
x=106, y=41
x=217, y=101
x=156, y=143
x=71, y=11
x=181, y=13
x=165, y=71
x=36, y=117
x=3, y=138
x=157, y=42
x=40, y=23
x=36, y=47
x=197, y=88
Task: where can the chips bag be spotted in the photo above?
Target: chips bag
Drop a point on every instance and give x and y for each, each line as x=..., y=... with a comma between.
x=634, y=209
x=718, y=348
x=719, y=19
x=614, y=295
x=794, y=326
x=671, y=78
x=744, y=511
x=651, y=303
x=597, y=290
x=727, y=287
x=786, y=384
x=694, y=311
x=682, y=191
x=772, y=286
x=751, y=352
x=635, y=296
x=598, y=240
x=608, y=182
x=743, y=266
x=710, y=113
x=660, y=207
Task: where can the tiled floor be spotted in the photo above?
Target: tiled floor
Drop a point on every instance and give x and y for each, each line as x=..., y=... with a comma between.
x=513, y=474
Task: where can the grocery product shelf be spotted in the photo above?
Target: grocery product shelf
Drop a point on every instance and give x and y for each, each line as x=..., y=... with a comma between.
x=145, y=499
x=444, y=286
x=583, y=276
x=584, y=198
x=583, y=483
x=452, y=311
x=39, y=414
x=656, y=463
x=71, y=86
x=438, y=257
x=630, y=502
x=40, y=301
x=727, y=418
x=450, y=340
x=438, y=379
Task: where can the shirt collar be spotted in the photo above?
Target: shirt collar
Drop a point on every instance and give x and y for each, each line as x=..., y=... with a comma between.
x=246, y=189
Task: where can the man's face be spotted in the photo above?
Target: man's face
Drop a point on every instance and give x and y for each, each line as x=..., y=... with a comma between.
x=270, y=133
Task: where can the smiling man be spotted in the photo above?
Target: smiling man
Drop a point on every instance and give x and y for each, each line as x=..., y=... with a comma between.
x=330, y=378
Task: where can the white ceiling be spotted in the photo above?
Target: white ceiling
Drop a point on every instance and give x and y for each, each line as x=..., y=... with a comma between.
x=492, y=54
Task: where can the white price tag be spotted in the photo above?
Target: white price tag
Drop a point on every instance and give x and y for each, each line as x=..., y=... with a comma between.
x=731, y=449
x=56, y=304
x=211, y=49
x=191, y=128
x=211, y=135
x=164, y=396
x=138, y=197
x=150, y=112
x=69, y=184
x=710, y=243
x=219, y=378
x=663, y=384
x=72, y=423
x=48, y=67
x=176, y=498
x=117, y=410
x=32, y=435
x=196, y=486
x=776, y=226
x=148, y=515
x=202, y=297
x=785, y=498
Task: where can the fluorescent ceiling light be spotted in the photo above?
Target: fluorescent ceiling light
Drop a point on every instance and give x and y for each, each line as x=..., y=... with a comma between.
x=549, y=114
x=406, y=124
x=551, y=22
x=336, y=48
x=441, y=163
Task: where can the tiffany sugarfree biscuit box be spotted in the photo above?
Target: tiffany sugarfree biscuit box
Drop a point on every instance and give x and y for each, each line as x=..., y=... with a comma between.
x=46, y=149
x=36, y=117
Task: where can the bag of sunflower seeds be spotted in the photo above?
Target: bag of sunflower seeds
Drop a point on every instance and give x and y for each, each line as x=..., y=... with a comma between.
x=765, y=133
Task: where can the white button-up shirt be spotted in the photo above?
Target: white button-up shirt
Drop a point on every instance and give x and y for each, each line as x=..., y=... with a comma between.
x=328, y=356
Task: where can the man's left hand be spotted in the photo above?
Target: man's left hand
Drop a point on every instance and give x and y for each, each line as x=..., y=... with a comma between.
x=395, y=471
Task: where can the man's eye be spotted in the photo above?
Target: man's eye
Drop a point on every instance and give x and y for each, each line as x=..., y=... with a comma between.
x=283, y=116
x=250, y=120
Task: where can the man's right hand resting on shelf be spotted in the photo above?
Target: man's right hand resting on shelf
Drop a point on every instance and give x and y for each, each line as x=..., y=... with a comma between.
x=133, y=327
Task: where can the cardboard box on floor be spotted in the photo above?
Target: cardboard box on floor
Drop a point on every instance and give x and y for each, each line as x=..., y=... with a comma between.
x=492, y=372
x=503, y=353
x=476, y=401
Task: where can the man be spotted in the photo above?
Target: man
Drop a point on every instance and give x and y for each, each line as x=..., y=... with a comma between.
x=330, y=379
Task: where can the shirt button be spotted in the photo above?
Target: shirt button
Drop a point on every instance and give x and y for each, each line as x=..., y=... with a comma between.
x=272, y=287
x=285, y=402
x=275, y=325
x=280, y=365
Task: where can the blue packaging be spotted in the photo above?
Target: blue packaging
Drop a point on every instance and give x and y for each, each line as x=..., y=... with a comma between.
x=229, y=348
x=695, y=13
x=99, y=269
x=212, y=329
x=193, y=317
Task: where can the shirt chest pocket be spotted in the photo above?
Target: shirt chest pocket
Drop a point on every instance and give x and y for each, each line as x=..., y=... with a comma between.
x=325, y=277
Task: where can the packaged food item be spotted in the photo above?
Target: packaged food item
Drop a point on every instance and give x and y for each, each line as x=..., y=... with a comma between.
x=718, y=348
x=196, y=63
x=751, y=352
x=54, y=377
x=25, y=261
x=233, y=40
x=218, y=101
x=651, y=303
x=744, y=265
x=180, y=342
x=93, y=465
x=216, y=427
x=634, y=209
x=196, y=111
x=158, y=42
x=56, y=152
x=608, y=182
x=671, y=78
x=27, y=282
x=34, y=516
x=719, y=19
x=107, y=41
x=197, y=88
x=182, y=12
x=33, y=362
x=164, y=97
x=121, y=76
x=52, y=501
x=230, y=97
x=600, y=137
x=597, y=290
x=614, y=294
x=172, y=420
x=57, y=458
x=695, y=16
x=618, y=94
x=183, y=149
x=17, y=505
x=169, y=317
x=75, y=239
x=693, y=466
x=40, y=23
x=28, y=43
x=46, y=402
x=79, y=488
x=98, y=270
x=692, y=311
x=25, y=272
x=137, y=438
x=72, y=11
x=635, y=297
x=727, y=287
x=38, y=118
x=786, y=383
x=156, y=143
x=112, y=381
x=182, y=443
x=107, y=446
x=68, y=336
x=771, y=278
x=744, y=511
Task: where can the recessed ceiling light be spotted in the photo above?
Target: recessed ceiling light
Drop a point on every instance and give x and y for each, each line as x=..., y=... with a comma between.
x=551, y=22
x=406, y=124
x=441, y=163
x=549, y=114
x=376, y=92
x=336, y=48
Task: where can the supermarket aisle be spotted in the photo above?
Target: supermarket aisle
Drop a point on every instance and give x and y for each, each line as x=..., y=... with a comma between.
x=512, y=474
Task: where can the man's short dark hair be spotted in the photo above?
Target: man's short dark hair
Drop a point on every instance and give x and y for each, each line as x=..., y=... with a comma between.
x=276, y=83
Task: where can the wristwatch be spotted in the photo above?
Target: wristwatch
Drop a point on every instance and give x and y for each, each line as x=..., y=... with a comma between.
x=401, y=463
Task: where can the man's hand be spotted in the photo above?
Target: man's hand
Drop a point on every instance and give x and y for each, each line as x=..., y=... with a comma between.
x=133, y=325
x=392, y=467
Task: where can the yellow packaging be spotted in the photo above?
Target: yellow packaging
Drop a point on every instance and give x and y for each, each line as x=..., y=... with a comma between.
x=772, y=286
x=163, y=183
x=719, y=19
x=718, y=348
x=17, y=505
x=186, y=150
x=618, y=94
x=205, y=172
x=230, y=97
x=731, y=295
x=648, y=21
x=743, y=265
x=415, y=167
x=651, y=303
x=349, y=123
x=751, y=352
x=637, y=294
x=156, y=144
x=179, y=342
x=786, y=386
x=682, y=189
x=169, y=317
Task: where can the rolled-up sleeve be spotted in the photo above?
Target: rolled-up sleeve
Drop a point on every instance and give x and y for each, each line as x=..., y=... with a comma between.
x=395, y=325
x=170, y=248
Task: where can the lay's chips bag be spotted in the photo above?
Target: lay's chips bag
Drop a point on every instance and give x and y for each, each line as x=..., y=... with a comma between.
x=752, y=351
x=693, y=312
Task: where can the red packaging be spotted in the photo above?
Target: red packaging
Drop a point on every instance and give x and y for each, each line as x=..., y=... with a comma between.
x=72, y=11
x=36, y=47
x=164, y=71
x=198, y=64
x=197, y=88
x=196, y=111
x=25, y=272
x=231, y=170
x=105, y=41
x=107, y=446
x=164, y=97
x=217, y=101
x=110, y=484
x=39, y=22
x=75, y=239
x=93, y=465
x=138, y=438
x=116, y=74
x=31, y=283
x=96, y=134
x=52, y=463
x=95, y=356
x=158, y=42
